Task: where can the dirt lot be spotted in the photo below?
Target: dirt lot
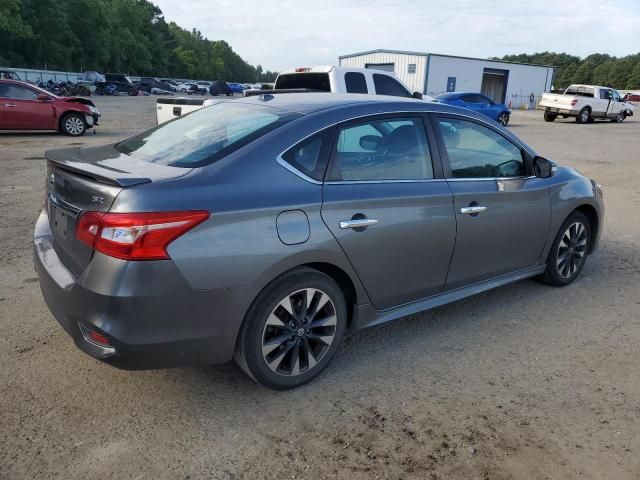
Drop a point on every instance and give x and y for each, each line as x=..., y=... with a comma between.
x=525, y=382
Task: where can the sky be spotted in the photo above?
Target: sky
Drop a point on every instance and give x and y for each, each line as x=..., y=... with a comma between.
x=287, y=33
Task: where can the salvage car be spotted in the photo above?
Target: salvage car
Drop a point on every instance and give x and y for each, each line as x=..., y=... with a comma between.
x=26, y=107
x=479, y=103
x=122, y=82
x=586, y=103
x=268, y=227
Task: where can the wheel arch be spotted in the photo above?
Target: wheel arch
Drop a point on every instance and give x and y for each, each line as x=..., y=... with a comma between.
x=594, y=221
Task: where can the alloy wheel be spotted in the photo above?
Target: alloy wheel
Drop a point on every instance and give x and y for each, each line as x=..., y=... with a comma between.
x=299, y=332
x=74, y=125
x=503, y=119
x=571, y=250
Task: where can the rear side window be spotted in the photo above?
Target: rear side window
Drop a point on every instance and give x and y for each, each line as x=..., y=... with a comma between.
x=387, y=149
x=310, y=155
x=355, y=82
x=204, y=136
x=311, y=81
x=386, y=85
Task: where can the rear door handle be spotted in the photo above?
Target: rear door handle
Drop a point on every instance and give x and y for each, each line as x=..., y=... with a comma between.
x=358, y=223
x=473, y=210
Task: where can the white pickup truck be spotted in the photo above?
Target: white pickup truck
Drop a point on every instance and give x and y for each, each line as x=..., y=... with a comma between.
x=326, y=78
x=586, y=103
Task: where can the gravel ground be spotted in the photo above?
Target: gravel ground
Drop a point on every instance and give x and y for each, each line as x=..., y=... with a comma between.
x=526, y=382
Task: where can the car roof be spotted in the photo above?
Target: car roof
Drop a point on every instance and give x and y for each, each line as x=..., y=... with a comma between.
x=309, y=103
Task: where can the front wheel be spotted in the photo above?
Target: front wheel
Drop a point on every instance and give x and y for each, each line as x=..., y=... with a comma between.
x=503, y=119
x=569, y=251
x=620, y=117
x=73, y=124
x=292, y=330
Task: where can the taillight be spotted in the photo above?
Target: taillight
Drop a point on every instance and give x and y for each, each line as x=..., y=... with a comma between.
x=574, y=101
x=135, y=236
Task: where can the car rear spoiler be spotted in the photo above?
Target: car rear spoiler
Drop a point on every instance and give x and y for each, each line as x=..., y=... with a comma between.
x=251, y=93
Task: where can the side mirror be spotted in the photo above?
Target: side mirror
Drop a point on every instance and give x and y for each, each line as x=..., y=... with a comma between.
x=417, y=95
x=542, y=167
x=43, y=98
x=370, y=142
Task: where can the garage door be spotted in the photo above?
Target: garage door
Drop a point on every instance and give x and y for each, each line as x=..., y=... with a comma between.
x=386, y=67
x=494, y=84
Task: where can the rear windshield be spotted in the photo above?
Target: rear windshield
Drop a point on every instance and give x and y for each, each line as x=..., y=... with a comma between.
x=580, y=91
x=312, y=81
x=205, y=135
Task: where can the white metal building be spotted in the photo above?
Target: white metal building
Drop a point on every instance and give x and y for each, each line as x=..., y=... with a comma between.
x=433, y=74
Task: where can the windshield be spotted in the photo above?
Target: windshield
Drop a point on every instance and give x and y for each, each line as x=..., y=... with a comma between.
x=311, y=81
x=205, y=135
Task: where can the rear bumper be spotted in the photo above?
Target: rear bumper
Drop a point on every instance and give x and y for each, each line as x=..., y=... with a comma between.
x=561, y=111
x=148, y=312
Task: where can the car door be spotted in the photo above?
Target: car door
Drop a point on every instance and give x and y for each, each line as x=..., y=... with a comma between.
x=24, y=111
x=386, y=203
x=502, y=211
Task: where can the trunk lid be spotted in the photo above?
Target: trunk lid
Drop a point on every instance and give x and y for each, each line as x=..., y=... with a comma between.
x=557, y=100
x=90, y=179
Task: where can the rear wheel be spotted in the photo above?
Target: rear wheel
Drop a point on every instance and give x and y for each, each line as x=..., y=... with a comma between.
x=503, y=119
x=569, y=251
x=550, y=116
x=292, y=330
x=584, y=116
x=73, y=124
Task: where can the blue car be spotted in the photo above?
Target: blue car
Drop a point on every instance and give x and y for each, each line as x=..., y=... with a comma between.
x=236, y=87
x=478, y=103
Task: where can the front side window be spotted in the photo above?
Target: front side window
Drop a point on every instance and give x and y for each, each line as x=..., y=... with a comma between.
x=387, y=149
x=8, y=90
x=386, y=85
x=203, y=136
x=355, y=82
x=476, y=151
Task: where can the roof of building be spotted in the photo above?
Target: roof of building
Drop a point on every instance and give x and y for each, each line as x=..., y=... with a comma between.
x=427, y=54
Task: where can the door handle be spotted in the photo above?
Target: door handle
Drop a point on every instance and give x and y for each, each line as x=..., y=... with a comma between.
x=358, y=223
x=474, y=210
x=10, y=105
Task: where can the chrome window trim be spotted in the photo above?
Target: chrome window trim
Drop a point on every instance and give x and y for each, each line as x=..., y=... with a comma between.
x=356, y=182
x=295, y=171
x=490, y=179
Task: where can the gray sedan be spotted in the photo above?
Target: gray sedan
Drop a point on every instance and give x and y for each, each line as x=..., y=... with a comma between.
x=266, y=228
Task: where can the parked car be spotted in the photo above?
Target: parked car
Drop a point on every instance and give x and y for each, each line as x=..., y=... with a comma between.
x=586, y=103
x=339, y=80
x=186, y=87
x=154, y=85
x=265, y=228
x=173, y=85
x=122, y=83
x=203, y=86
x=26, y=107
x=478, y=103
x=220, y=87
x=632, y=97
x=236, y=87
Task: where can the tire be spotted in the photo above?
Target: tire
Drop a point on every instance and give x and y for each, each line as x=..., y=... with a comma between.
x=271, y=338
x=503, y=119
x=620, y=117
x=572, y=243
x=584, y=116
x=550, y=116
x=73, y=124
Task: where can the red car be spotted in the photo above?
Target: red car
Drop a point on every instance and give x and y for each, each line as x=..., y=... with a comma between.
x=26, y=107
x=632, y=97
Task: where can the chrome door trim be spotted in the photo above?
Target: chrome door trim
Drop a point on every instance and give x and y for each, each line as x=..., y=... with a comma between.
x=357, y=223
